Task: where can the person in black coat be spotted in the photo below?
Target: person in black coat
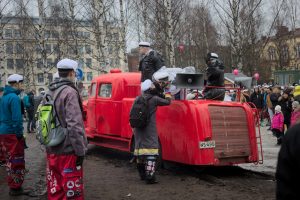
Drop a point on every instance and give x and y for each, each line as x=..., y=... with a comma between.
x=285, y=102
x=215, y=78
x=257, y=98
x=151, y=61
x=288, y=166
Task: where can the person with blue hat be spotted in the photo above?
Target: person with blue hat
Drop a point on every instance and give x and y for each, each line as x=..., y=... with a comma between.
x=64, y=161
x=12, y=141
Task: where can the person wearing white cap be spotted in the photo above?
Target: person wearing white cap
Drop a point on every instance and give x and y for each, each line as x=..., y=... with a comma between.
x=70, y=153
x=151, y=61
x=146, y=139
x=11, y=134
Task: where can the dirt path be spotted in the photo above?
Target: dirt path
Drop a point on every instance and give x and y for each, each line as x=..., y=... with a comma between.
x=109, y=176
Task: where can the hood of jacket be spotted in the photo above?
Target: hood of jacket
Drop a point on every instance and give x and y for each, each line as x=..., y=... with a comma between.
x=60, y=82
x=8, y=90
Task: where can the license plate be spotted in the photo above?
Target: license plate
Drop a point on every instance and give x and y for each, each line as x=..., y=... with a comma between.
x=207, y=144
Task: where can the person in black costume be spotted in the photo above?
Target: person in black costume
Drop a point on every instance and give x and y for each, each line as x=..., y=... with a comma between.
x=215, y=78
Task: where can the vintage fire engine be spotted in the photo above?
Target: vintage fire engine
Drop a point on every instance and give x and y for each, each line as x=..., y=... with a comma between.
x=194, y=132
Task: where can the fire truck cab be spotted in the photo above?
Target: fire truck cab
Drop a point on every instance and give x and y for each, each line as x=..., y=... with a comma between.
x=194, y=132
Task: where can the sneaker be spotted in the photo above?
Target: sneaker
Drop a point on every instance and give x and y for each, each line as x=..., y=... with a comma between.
x=18, y=192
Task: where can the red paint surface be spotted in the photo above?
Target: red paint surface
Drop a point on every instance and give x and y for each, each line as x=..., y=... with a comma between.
x=181, y=126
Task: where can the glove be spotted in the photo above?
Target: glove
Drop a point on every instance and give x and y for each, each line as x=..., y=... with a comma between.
x=79, y=160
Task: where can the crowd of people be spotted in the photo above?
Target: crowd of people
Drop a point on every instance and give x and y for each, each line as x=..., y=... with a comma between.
x=278, y=106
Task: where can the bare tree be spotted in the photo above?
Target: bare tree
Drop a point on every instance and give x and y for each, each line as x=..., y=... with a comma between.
x=237, y=16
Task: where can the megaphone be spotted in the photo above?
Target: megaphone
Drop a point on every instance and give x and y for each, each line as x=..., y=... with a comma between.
x=190, y=81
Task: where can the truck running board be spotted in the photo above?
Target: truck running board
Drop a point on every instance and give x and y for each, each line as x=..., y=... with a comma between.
x=112, y=142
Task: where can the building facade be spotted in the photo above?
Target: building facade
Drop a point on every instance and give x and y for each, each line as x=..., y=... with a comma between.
x=23, y=51
x=281, y=56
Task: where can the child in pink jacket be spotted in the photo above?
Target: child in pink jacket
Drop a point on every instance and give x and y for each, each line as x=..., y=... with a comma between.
x=295, y=118
x=278, y=124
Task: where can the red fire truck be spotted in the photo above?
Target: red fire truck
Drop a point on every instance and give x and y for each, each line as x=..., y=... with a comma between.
x=194, y=132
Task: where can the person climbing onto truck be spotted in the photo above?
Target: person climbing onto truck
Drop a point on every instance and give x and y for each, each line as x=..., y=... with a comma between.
x=146, y=139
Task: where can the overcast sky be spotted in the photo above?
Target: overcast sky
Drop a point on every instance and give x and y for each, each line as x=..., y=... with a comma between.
x=266, y=10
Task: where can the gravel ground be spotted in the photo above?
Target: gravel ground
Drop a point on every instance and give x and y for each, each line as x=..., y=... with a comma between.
x=110, y=176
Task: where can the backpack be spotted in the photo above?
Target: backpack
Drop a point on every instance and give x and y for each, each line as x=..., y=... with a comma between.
x=49, y=130
x=26, y=101
x=139, y=114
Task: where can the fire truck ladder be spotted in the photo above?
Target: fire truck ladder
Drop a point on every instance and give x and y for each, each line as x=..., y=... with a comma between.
x=258, y=134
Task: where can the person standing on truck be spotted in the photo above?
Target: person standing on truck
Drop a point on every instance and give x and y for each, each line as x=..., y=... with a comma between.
x=151, y=61
x=215, y=78
x=146, y=139
x=64, y=161
x=12, y=142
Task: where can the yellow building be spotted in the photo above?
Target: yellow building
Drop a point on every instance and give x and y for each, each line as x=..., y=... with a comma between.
x=280, y=56
x=21, y=51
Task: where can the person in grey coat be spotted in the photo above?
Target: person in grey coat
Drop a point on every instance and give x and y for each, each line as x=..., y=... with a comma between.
x=146, y=139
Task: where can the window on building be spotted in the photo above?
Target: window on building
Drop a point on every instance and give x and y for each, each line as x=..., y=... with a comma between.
x=88, y=49
x=56, y=49
x=38, y=49
x=80, y=49
x=17, y=33
x=10, y=63
x=47, y=34
x=272, y=53
x=298, y=51
x=8, y=33
x=110, y=50
x=40, y=78
x=291, y=79
x=87, y=35
x=19, y=63
x=117, y=62
x=55, y=34
x=48, y=48
x=105, y=90
x=49, y=63
x=50, y=77
x=19, y=48
x=9, y=48
x=39, y=63
x=285, y=53
x=89, y=76
x=80, y=63
x=88, y=62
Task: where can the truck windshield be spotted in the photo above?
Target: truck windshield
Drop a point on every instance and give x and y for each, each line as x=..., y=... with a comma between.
x=105, y=90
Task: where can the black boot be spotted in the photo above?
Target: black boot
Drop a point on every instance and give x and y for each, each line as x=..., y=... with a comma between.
x=141, y=170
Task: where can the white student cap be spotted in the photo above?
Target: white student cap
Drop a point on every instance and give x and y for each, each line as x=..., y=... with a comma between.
x=146, y=85
x=15, y=78
x=67, y=64
x=144, y=44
